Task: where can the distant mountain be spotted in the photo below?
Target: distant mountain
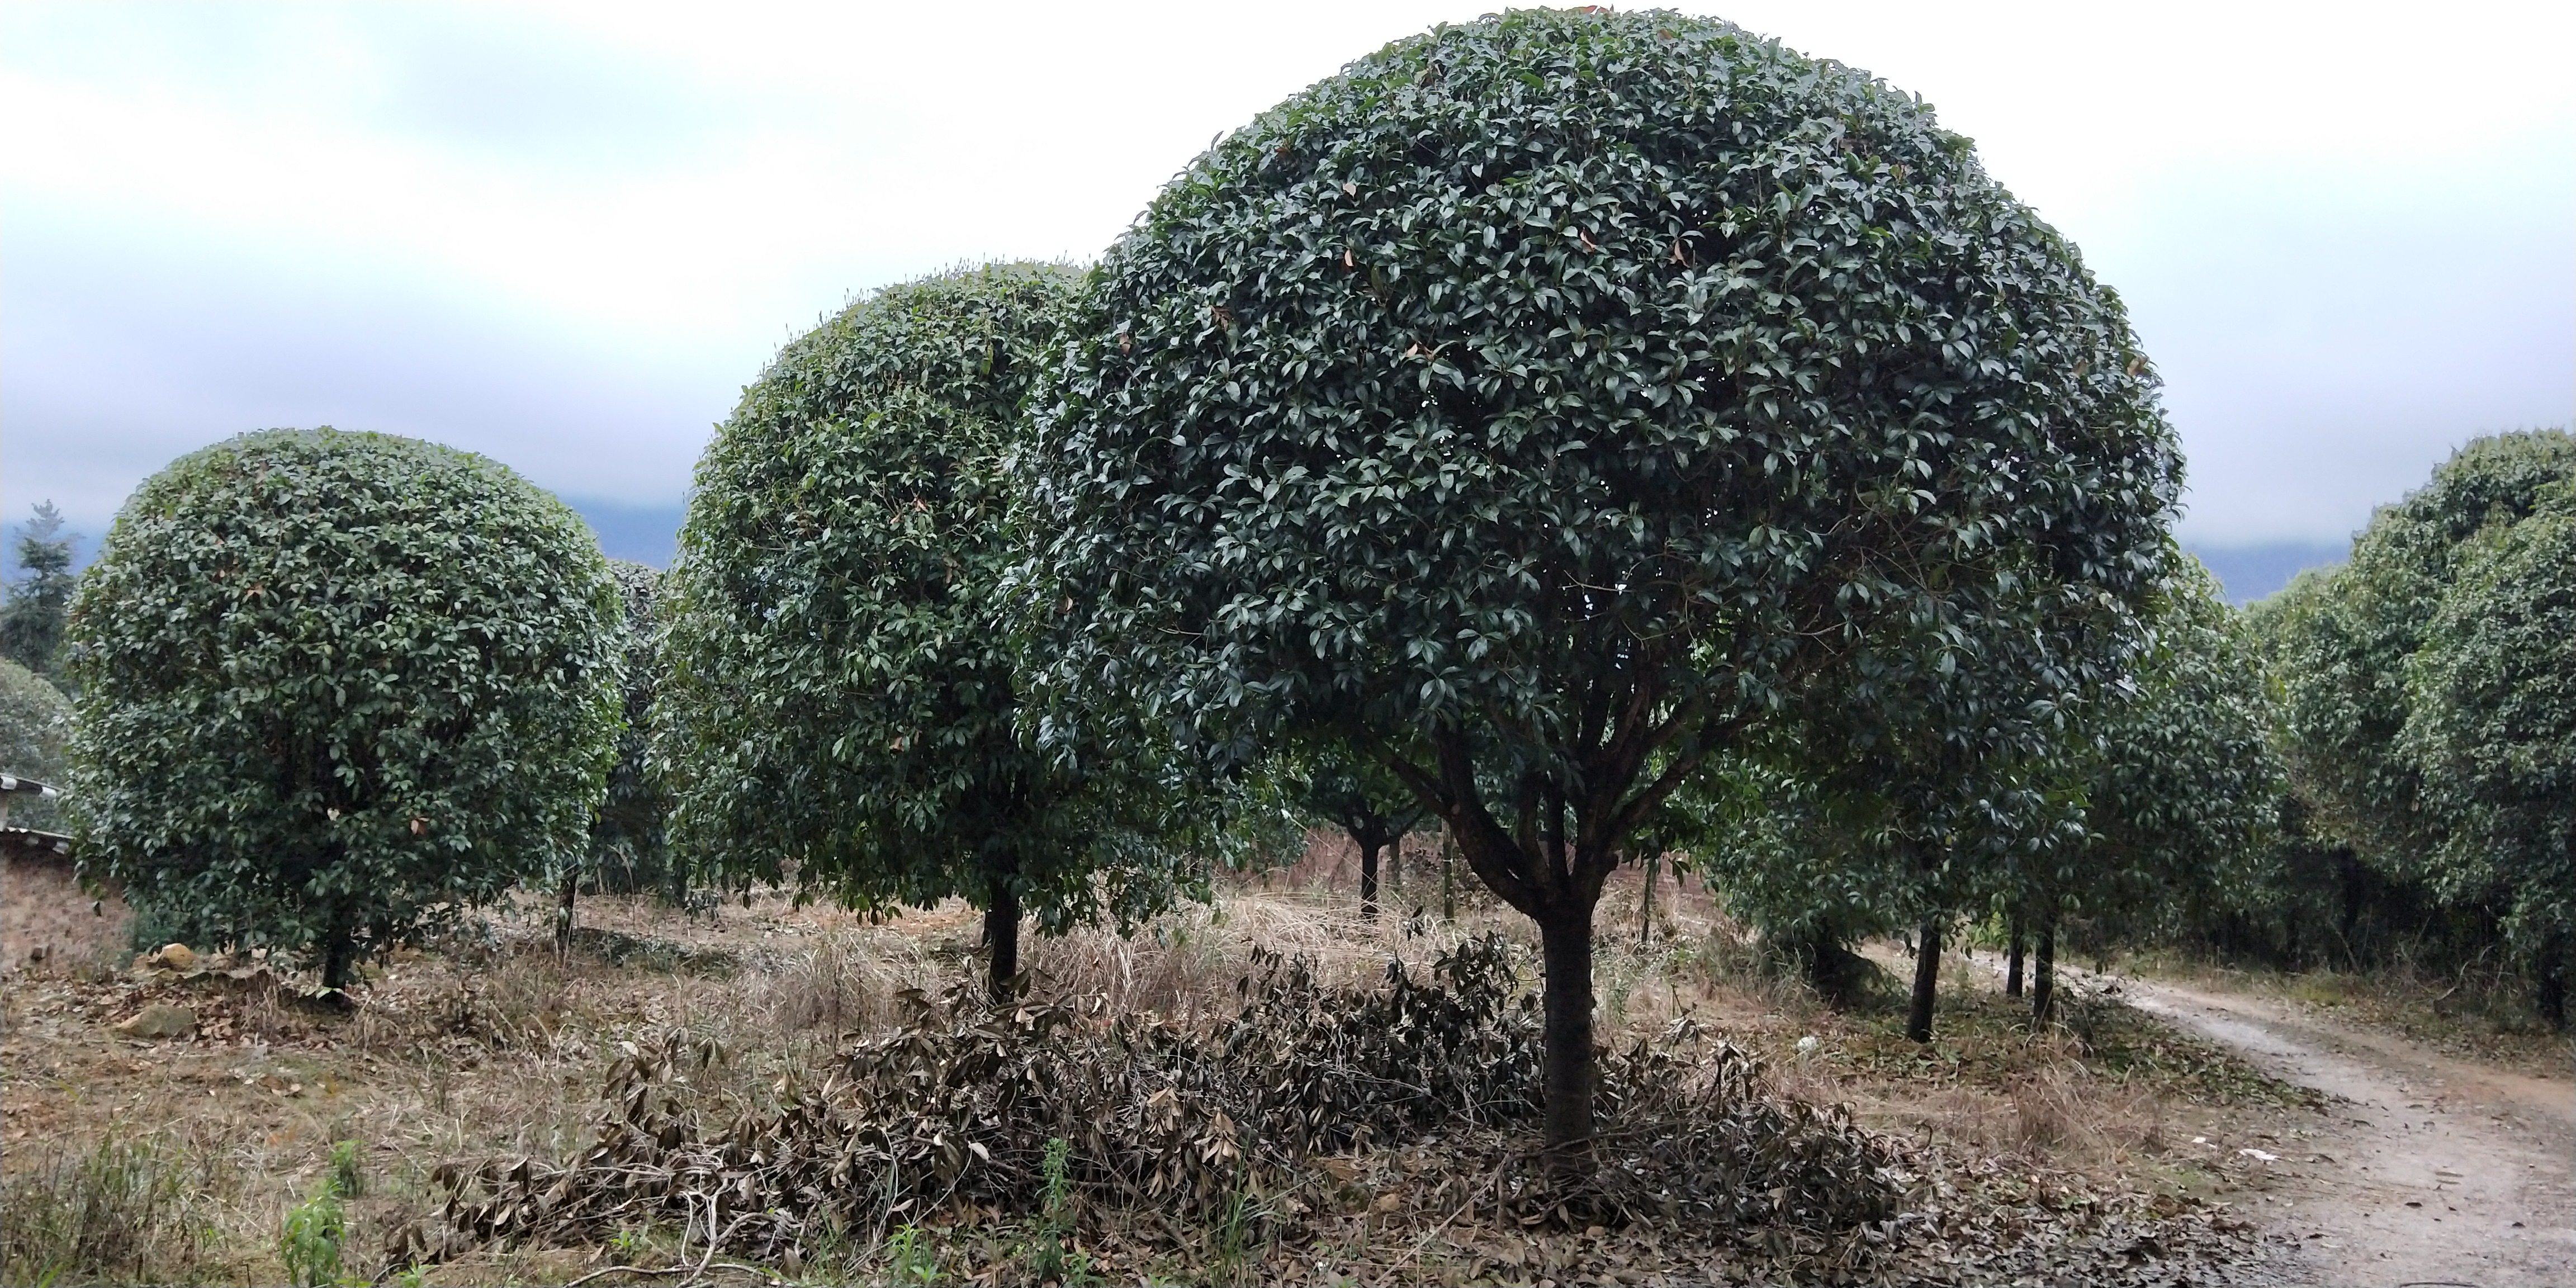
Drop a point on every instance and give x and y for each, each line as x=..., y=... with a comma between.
x=2251, y=572
x=647, y=534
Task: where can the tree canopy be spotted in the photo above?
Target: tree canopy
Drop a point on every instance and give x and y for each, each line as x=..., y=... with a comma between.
x=2491, y=729
x=848, y=639
x=338, y=684
x=1545, y=399
x=2418, y=684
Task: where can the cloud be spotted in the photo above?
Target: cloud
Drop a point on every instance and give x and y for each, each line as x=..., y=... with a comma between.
x=566, y=234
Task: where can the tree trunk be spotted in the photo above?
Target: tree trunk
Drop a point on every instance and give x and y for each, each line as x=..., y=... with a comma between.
x=1927, y=981
x=1395, y=867
x=2012, y=962
x=1565, y=945
x=1646, y=906
x=1368, y=879
x=1002, y=935
x=2043, y=975
x=563, y=910
x=2549, y=991
x=1448, y=876
x=339, y=954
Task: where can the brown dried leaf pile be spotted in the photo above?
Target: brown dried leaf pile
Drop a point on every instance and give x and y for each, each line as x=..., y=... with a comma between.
x=950, y=1117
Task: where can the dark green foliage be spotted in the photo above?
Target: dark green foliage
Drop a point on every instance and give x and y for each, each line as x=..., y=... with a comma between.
x=2492, y=731
x=31, y=620
x=1358, y=794
x=2175, y=776
x=846, y=645
x=2420, y=688
x=2343, y=639
x=335, y=685
x=35, y=729
x=629, y=847
x=1544, y=400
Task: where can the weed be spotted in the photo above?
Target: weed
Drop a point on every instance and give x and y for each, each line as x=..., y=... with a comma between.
x=120, y=1211
x=911, y=1258
x=346, y=1174
x=310, y=1242
x=1054, y=1260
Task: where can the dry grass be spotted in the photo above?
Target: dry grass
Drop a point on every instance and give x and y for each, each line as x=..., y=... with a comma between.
x=493, y=1045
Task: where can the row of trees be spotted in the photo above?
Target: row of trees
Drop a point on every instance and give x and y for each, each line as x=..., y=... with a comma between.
x=2428, y=714
x=1604, y=435
x=1544, y=416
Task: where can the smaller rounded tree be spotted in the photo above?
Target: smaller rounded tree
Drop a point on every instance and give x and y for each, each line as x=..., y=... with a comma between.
x=335, y=687
x=849, y=638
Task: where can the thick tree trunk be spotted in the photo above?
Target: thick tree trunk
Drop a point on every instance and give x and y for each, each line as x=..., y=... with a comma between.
x=2012, y=962
x=1565, y=945
x=1927, y=981
x=1368, y=880
x=1002, y=936
x=1448, y=876
x=2043, y=975
x=563, y=910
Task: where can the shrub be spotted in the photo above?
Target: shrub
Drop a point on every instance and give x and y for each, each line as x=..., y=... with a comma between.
x=1545, y=399
x=336, y=686
x=35, y=730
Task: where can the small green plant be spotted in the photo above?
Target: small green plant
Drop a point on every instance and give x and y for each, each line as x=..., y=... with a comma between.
x=910, y=1257
x=1056, y=1258
x=310, y=1243
x=347, y=1174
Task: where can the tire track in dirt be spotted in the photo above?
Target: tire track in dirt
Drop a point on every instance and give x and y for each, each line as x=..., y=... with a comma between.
x=2438, y=1171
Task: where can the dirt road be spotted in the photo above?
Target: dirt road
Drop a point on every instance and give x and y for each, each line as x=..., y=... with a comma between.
x=2438, y=1172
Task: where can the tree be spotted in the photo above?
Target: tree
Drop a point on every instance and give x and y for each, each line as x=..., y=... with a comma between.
x=629, y=846
x=2174, y=778
x=848, y=641
x=1358, y=795
x=2358, y=660
x=31, y=622
x=2491, y=728
x=335, y=687
x=2343, y=646
x=1547, y=398
x=35, y=725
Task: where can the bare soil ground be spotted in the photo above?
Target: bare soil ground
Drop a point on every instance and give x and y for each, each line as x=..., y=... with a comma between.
x=2428, y=1169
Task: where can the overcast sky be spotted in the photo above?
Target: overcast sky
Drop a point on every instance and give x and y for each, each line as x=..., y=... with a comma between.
x=566, y=236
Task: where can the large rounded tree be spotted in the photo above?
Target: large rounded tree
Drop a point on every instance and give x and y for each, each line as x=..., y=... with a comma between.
x=335, y=686
x=848, y=642
x=1544, y=400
